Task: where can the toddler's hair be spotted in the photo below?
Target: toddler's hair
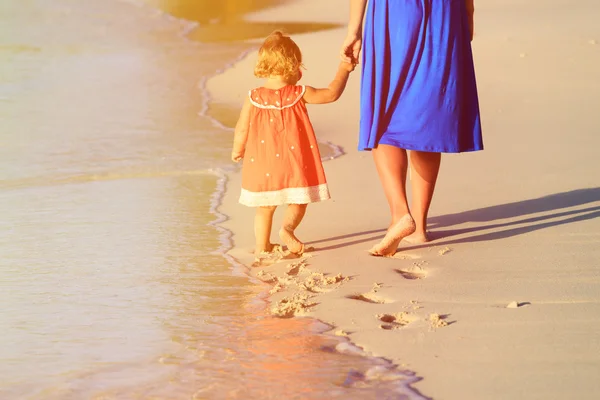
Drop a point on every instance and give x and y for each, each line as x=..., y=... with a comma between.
x=279, y=55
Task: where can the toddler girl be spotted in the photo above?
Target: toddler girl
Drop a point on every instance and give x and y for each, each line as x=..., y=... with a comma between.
x=274, y=136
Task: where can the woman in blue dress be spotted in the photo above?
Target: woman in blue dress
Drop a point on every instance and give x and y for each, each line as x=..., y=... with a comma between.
x=418, y=93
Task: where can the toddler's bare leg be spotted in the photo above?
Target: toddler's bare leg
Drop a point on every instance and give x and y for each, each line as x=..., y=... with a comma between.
x=262, y=229
x=291, y=220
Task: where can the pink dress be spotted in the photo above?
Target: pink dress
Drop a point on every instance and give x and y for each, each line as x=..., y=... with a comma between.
x=282, y=163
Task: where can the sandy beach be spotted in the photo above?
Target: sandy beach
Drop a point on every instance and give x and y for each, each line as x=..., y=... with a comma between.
x=504, y=303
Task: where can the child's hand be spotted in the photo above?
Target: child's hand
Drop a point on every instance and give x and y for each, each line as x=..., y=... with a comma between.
x=237, y=155
x=347, y=66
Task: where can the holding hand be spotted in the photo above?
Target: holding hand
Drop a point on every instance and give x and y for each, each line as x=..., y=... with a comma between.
x=351, y=48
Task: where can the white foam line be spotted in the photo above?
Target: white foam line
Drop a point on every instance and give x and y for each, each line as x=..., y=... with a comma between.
x=226, y=235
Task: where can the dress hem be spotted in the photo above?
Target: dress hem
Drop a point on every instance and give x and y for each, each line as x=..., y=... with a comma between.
x=301, y=195
x=424, y=148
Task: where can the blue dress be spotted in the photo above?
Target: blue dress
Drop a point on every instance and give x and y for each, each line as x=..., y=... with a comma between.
x=418, y=88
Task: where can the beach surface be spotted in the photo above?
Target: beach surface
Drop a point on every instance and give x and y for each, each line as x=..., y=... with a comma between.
x=504, y=303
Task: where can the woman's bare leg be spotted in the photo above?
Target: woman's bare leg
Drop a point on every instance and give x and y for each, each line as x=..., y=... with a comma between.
x=424, y=167
x=391, y=163
x=292, y=218
x=262, y=229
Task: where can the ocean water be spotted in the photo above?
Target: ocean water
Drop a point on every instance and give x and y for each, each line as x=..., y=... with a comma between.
x=113, y=279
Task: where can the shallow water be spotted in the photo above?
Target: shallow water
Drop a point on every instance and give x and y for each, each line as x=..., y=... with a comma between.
x=112, y=280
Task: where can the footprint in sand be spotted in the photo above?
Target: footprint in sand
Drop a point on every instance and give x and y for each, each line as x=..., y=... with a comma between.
x=414, y=304
x=439, y=321
x=260, y=262
x=291, y=306
x=516, y=304
x=368, y=298
x=405, y=256
x=319, y=282
x=268, y=258
x=296, y=267
x=415, y=271
x=277, y=288
x=266, y=277
x=396, y=321
x=412, y=273
x=445, y=251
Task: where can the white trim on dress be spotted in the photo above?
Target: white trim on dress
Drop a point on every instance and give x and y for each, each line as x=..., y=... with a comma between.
x=301, y=195
x=272, y=107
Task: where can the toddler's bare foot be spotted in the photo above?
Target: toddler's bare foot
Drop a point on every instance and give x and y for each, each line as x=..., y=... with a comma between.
x=417, y=238
x=389, y=244
x=270, y=248
x=291, y=241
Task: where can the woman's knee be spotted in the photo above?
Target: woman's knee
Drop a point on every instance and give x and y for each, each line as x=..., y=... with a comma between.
x=425, y=155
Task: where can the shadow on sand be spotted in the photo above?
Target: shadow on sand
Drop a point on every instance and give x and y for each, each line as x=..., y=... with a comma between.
x=554, y=206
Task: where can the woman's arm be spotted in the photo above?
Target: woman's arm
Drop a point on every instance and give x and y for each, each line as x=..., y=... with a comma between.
x=334, y=90
x=357, y=13
x=353, y=43
x=241, y=132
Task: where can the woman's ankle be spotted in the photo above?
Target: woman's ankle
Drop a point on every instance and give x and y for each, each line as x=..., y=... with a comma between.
x=417, y=237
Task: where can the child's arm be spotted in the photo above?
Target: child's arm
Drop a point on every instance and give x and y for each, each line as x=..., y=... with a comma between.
x=334, y=90
x=241, y=132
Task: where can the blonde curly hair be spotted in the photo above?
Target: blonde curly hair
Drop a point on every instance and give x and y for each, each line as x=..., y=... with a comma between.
x=279, y=55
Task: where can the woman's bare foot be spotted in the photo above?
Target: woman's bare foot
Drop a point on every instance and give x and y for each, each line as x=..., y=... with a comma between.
x=389, y=244
x=417, y=238
x=291, y=241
